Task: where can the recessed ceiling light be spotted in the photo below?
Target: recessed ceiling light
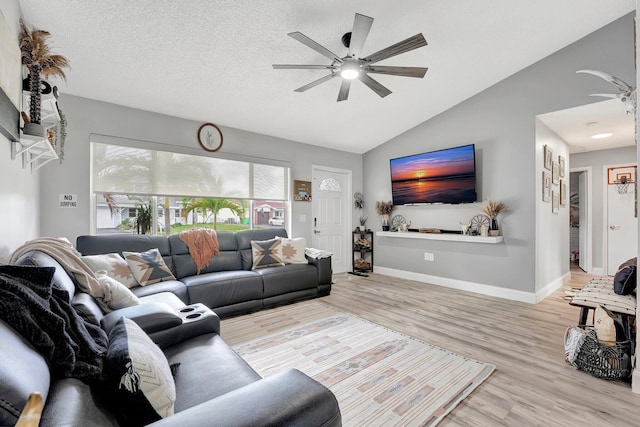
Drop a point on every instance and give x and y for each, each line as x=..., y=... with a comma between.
x=601, y=135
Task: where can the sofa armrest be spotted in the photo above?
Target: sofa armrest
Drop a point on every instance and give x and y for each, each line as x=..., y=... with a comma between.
x=165, y=325
x=151, y=317
x=325, y=271
x=197, y=319
x=288, y=398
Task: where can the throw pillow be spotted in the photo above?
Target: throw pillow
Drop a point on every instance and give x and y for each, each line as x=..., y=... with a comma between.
x=267, y=253
x=114, y=265
x=293, y=250
x=148, y=267
x=138, y=375
x=605, y=328
x=116, y=295
x=624, y=282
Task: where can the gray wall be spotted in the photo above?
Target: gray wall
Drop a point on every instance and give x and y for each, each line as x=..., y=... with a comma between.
x=87, y=116
x=18, y=187
x=552, y=229
x=598, y=160
x=501, y=122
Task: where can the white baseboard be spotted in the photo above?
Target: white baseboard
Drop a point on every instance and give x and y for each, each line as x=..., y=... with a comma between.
x=479, y=288
x=597, y=271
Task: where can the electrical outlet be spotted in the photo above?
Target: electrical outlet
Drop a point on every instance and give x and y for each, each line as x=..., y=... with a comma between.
x=428, y=256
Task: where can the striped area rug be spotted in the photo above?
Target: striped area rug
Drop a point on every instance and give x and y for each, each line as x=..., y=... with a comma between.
x=380, y=377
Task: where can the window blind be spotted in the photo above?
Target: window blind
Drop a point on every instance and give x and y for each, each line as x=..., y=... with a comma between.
x=132, y=170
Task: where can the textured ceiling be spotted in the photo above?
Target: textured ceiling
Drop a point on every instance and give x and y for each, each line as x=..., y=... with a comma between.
x=210, y=60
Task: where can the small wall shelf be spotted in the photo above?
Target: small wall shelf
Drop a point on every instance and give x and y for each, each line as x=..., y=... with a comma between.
x=440, y=236
x=36, y=151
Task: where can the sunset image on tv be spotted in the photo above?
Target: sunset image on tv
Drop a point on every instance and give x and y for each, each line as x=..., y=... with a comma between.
x=445, y=176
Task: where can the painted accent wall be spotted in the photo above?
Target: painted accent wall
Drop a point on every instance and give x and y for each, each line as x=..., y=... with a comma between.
x=19, y=188
x=86, y=116
x=501, y=121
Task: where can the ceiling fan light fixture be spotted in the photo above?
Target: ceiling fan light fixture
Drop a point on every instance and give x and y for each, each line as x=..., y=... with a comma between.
x=349, y=74
x=350, y=70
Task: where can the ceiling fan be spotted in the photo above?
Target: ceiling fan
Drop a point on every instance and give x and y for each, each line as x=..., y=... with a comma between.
x=352, y=66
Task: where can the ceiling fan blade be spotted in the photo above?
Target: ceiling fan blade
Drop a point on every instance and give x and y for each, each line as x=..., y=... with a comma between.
x=401, y=47
x=344, y=90
x=302, y=67
x=315, y=46
x=315, y=83
x=418, y=72
x=361, y=26
x=374, y=85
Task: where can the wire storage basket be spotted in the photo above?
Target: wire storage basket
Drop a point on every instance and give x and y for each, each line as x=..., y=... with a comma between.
x=610, y=360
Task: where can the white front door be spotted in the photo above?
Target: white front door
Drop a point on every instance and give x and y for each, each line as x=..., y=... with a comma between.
x=331, y=190
x=621, y=226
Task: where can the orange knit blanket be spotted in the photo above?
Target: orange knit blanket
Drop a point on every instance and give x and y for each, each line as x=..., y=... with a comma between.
x=202, y=244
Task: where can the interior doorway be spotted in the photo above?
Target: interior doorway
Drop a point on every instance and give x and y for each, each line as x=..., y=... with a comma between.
x=580, y=217
x=621, y=216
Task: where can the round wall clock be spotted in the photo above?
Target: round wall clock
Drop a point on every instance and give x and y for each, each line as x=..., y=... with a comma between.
x=210, y=137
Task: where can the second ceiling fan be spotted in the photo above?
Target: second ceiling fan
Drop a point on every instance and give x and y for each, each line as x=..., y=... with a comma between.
x=352, y=66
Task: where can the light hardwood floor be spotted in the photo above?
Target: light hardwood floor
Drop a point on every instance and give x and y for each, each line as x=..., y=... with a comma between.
x=532, y=385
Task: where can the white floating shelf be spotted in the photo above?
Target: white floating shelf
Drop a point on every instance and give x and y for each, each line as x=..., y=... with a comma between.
x=440, y=236
x=36, y=151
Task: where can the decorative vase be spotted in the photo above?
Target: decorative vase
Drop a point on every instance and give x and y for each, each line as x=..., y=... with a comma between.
x=493, y=227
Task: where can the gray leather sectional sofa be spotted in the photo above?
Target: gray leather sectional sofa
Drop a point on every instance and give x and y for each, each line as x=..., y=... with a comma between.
x=214, y=386
x=227, y=285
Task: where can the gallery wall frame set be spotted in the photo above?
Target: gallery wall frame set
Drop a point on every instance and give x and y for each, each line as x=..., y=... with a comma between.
x=555, y=170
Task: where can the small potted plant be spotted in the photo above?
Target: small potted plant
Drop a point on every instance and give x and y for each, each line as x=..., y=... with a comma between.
x=384, y=209
x=492, y=209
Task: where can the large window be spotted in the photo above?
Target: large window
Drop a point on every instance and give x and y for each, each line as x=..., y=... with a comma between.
x=139, y=189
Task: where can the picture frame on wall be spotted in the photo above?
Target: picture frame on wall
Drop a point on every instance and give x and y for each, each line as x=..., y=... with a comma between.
x=546, y=186
x=561, y=167
x=563, y=192
x=555, y=173
x=302, y=191
x=555, y=202
x=548, y=157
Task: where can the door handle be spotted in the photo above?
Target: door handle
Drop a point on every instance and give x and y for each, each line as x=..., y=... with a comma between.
x=316, y=231
x=614, y=227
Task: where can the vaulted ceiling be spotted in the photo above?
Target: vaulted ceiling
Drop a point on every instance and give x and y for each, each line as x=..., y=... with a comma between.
x=211, y=60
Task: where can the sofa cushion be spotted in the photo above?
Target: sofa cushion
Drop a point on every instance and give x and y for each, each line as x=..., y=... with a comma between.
x=110, y=243
x=267, y=253
x=115, y=267
x=227, y=260
x=225, y=288
x=60, y=278
x=290, y=278
x=115, y=294
x=244, y=238
x=208, y=368
x=148, y=267
x=139, y=375
x=293, y=250
x=176, y=287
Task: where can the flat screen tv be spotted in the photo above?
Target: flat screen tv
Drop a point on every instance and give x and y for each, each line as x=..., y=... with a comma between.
x=443, y=176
